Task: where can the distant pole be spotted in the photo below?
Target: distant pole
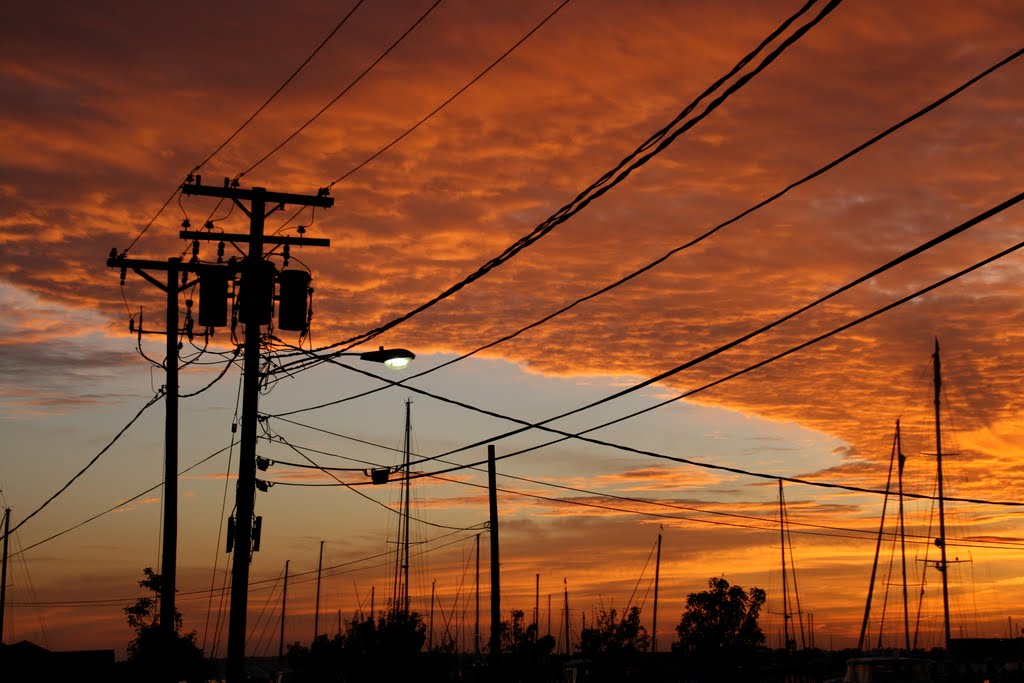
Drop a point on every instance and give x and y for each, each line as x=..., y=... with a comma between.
x=565, y=586
x=657, y=577
x=3, y=573
x=536, y=608
x=785, y=592
x=430, y=637
x=549, y=614
x=476, y=629
x=319, y=571
x=944, y=568
x=492, y=484
x=284, y=608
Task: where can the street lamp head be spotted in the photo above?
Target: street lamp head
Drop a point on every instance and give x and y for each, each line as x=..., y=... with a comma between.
x=395, y=359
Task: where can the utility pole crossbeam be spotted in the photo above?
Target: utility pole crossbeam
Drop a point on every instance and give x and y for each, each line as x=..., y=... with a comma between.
x=245, y=491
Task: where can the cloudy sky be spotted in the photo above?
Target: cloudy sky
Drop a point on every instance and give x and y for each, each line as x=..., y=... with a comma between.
x=109, y=105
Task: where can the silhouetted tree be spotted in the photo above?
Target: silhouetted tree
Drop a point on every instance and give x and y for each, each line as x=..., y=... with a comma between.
x=151, y=653
x=525, y=656
x=719, y=630
x=612, y=645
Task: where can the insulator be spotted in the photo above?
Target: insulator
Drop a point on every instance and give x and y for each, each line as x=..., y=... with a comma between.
x=257, y=290
x=195, y=250
x=124, y=274
x=294, y=300
x=213, y=298
x=230, y=534
x=208, y=225
x=220, y=251
x=186, y=223
x=287, y=254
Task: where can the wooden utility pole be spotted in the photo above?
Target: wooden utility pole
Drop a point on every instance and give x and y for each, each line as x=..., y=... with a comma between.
x=657, y=577
x=319, y=572
x=3, y=573
x=476, y=628
x=492, y=485
x=252, y=313
x=284, y=609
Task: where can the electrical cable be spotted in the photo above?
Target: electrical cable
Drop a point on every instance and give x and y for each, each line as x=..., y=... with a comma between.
x=277, y=92
x=450, y=99
x=342, y=93
x=765, y=202
x=566, y=435
x=151, y=402
x=592, y=192
x=119, y=505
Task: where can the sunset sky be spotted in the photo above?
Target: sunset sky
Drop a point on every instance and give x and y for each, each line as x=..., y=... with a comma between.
x=109, y=105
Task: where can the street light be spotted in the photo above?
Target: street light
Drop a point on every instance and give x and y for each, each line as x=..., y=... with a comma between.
x=394, y=359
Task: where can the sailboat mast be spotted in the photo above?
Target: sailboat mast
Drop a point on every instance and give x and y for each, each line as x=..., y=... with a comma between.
x=902, y=459
x=284, y=609
x=785, y=590
x=941, y=542
x=405, y=514
x=657, y=577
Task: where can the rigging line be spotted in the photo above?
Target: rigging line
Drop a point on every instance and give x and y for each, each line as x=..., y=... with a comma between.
x=118, y=506
x=795, y=480
x=578, y=204
x=526, y=426
x=351, y=488
x=343, y=92
x=641, y=577
x=448, y=101
x=151, y=402
x=277, y=92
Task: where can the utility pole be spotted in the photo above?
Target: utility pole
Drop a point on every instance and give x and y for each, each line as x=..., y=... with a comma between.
x=319, y=571
x=476, y=627
x=657, y=577
x=3, y=573
x=253, y=310
x=492, y=485
x=284, y=608
x=169, y=550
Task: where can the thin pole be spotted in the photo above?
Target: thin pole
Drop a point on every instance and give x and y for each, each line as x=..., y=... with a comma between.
x=319, y=572
x=785, y=590
x=430, y=638
x=492, y=485
x=408, y=483
x=549, y=614
x=902, y=459
x=565, y=587
x=536, y=608
x=657, y=576
x=3, y=573
x=944, y=566
x=878, y=549
x=476, y=628
x=169, y=562
x=284, y=609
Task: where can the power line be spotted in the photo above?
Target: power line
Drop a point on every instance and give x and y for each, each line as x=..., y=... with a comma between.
x=277, y=92
x=448, y=101
x=600, y=187
x=119, y=505
x=567, y=435
x=152, y=401
x=772, y=198
x=342, y=93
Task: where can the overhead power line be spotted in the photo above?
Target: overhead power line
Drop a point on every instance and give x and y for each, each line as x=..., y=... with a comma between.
x=341, y=94
x=632, y=162
x=636, y=273
x=62, y=489
x=581, y=435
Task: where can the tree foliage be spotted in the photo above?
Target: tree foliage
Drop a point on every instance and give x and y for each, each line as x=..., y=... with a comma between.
x=721, y=622
x=152, y=653
x=613, y=645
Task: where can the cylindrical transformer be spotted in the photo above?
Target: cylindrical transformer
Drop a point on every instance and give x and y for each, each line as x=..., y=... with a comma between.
x=293, y=300
x=213, y=298
x=262, y=291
